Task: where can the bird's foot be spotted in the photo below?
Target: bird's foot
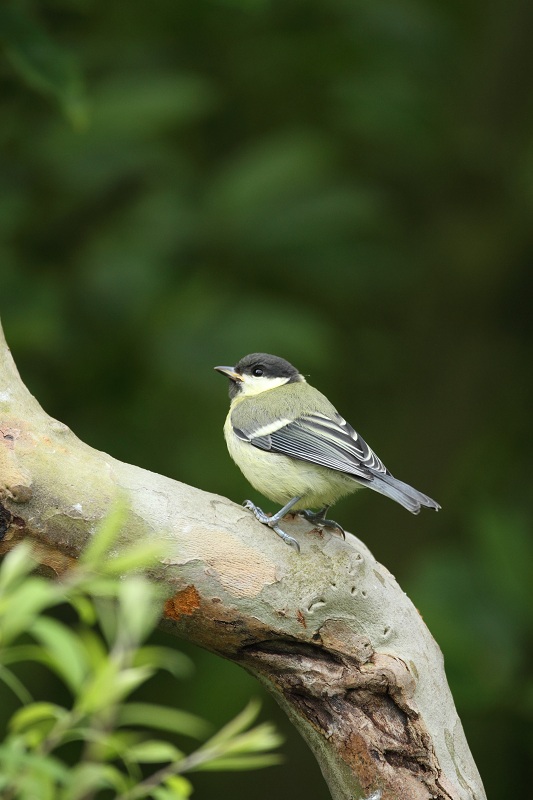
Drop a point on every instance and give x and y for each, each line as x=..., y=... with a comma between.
x=272, y=521
x=319, y=518
x=257, y=512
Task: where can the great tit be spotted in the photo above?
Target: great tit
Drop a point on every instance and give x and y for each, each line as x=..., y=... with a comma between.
x=295, y=448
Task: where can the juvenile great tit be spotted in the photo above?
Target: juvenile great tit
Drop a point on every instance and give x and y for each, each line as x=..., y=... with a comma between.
x=295, y=448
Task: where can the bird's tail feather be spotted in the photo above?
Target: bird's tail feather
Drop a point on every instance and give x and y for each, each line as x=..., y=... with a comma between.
x=402, y=493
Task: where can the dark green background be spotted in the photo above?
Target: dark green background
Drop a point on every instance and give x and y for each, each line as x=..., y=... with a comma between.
x=346, y=184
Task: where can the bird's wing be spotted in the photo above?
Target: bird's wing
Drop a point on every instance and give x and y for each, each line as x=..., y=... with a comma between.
x=324, y=440
x=328, y=440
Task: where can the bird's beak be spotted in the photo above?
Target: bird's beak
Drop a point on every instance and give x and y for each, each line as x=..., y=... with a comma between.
x=230, y=373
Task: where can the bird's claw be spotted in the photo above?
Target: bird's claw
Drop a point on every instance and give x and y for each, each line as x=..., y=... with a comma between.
x=318, y=518
x=272, y=522
x=258, y=513
x=286, y=538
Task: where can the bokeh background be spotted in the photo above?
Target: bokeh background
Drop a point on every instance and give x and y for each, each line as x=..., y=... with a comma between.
x=346, y=184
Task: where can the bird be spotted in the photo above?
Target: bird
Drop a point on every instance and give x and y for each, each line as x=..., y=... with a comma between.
x=295, y=448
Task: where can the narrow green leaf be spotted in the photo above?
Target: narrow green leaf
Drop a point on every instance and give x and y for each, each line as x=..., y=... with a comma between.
x=154, y=751
x=175, y=662
x=16, y=685
x=84, y=608
x=109, y=686
x=235, y=726
x=89, y=778
x=239, y=763
x=140, y=556
x=138, y=610
x=36, y=784
x=263, y=737
x=106, y=746
x=100, y=586
x=21, y=652
x=65, y=648
x=130, y=679
x=161, y=793
x=16, y=565
x=21, y=760
x=94, y=647
x=107, y=617
x=147, y=715
x=20, y=609
x=35, y=712
x=181, y=787
x=105, y=537
x=99, y=689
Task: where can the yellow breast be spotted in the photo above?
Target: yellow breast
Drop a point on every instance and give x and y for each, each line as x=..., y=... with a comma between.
x=280, y=478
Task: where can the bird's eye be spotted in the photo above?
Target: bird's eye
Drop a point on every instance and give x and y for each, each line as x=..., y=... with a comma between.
x=257, y=372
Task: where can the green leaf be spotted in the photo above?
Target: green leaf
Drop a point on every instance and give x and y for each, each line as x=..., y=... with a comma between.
x=109, y=686
x=105, y=745
x=16, y=565
x=84, y=608
x=94, y=647
x=36, y=784
x=154, y=751
x=130, y=679
x=239, y=763
x=19, y=610
x=235, y=726
x=138, y=610
x=68, y=656
x=148, y=715
x=175, y=662
x=106, y=615
x=263, y=737
x=140, y=556
x=233, y=746
x=99, y=689
x=35, y=712
x=23, y=652
x=180, y=786
x=43, y=65
x=88, y=778
x=17, y=761
x=162, y=793
x=16, y=685
x=101, y=586
x=105, y=537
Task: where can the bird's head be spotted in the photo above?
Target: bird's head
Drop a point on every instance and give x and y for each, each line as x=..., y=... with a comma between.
x=259, y=372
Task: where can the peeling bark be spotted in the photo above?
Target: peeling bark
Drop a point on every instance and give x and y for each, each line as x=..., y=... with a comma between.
x=329, y=632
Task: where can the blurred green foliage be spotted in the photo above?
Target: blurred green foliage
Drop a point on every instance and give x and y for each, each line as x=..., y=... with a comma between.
x=96, y=745
x=346, y=184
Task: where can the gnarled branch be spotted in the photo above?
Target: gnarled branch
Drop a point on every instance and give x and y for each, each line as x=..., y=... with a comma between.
x=329, y=632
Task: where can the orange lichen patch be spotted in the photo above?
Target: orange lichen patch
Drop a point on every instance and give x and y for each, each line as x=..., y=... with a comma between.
x=184, y=602
x=301, y=619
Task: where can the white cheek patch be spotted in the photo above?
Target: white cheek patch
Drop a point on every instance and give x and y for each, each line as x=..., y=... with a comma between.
x=251, y=385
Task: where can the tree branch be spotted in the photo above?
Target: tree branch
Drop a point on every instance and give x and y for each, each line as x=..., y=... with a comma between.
x=329, y=632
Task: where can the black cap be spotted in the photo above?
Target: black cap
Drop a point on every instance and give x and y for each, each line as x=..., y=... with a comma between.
x=271, y=366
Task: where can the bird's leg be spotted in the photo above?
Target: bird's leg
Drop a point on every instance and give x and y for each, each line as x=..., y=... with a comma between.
x=272, y=521
x=319, y=518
